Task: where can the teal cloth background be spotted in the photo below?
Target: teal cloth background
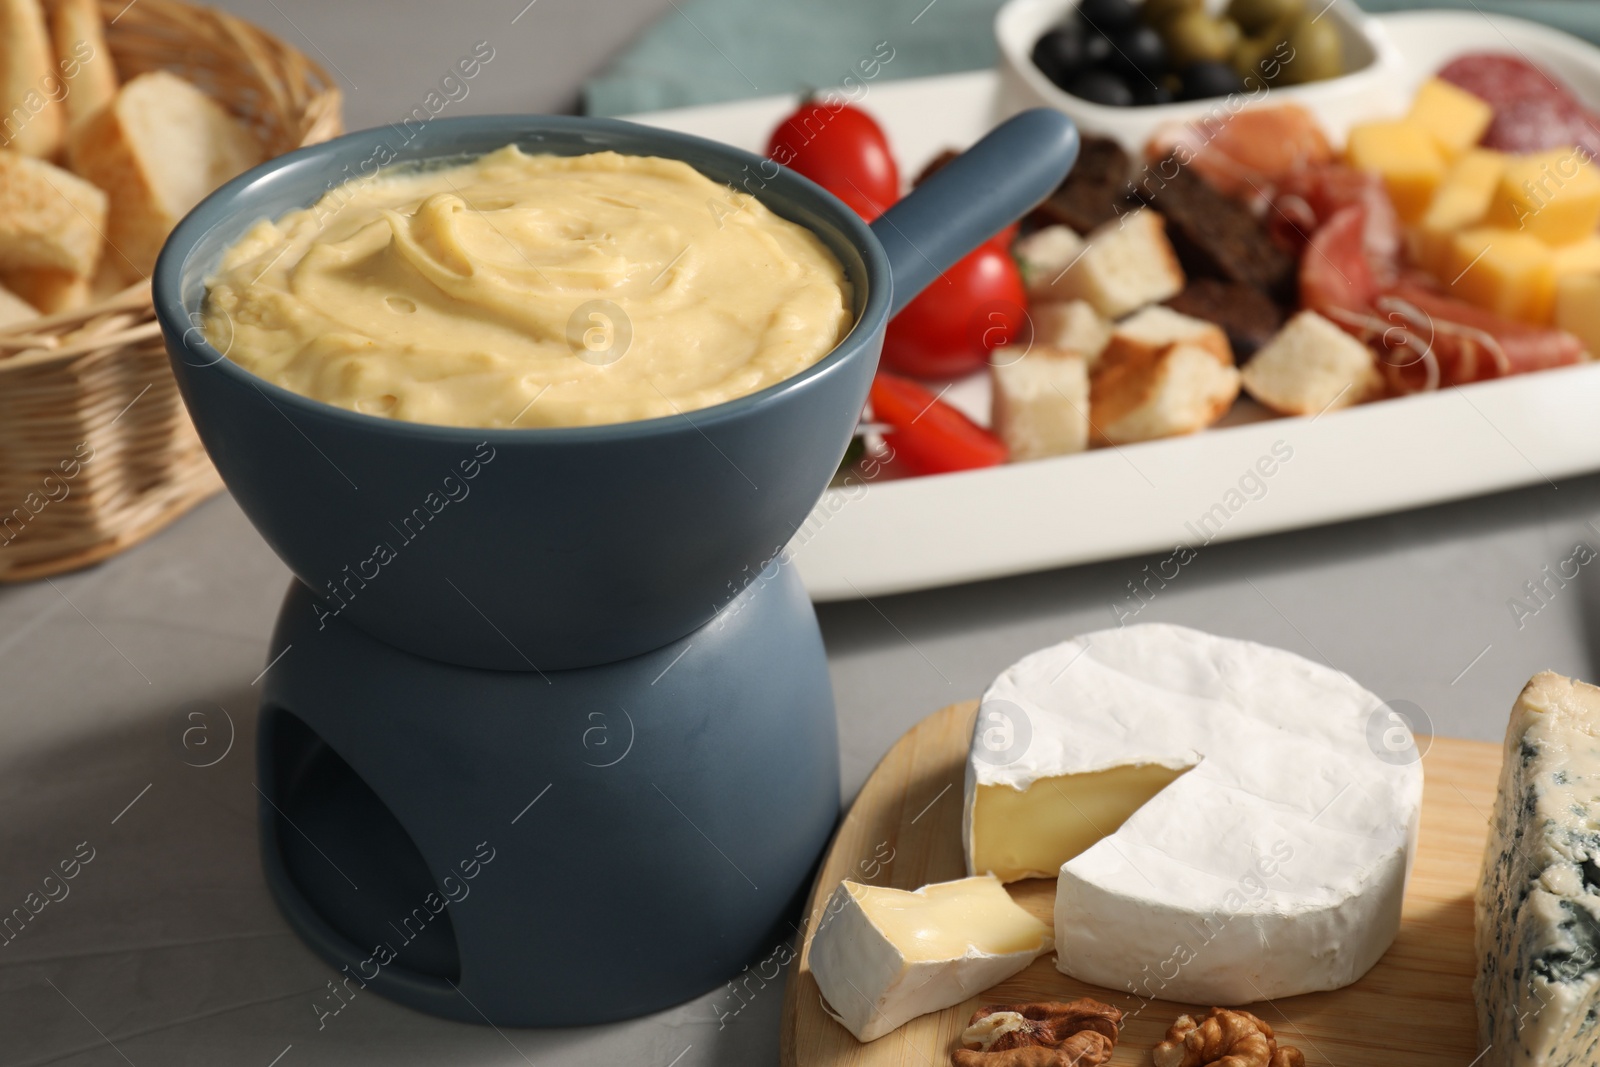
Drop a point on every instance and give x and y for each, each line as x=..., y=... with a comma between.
x=706, y=51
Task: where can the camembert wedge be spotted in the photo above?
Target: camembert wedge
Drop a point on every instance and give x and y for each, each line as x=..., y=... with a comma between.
x=1538, y=904
x=1230, y=822
x=884, y=956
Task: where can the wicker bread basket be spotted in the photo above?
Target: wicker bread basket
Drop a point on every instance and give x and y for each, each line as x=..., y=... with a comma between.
x=96, y=449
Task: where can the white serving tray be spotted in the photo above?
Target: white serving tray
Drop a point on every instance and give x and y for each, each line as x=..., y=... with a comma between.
x=897, y=535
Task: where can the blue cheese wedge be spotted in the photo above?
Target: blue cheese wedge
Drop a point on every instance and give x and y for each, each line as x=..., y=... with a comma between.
x=1227, y=822
x=882, y=956
x=1538, y=903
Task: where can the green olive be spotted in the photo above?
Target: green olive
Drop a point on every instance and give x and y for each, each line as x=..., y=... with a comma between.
x=1259, y=59
x=1198, y=38
x=1317, y=52
x=1158, y=13
x=1258, y=16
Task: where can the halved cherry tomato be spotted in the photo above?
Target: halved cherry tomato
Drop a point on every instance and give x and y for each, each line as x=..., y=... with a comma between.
x=843, y=150
x=929, y=435
x=950, y=328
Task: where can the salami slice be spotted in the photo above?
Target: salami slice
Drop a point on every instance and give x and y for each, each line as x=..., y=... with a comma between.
x=1534, y=124
x=1533, y=110
x=1497, y=78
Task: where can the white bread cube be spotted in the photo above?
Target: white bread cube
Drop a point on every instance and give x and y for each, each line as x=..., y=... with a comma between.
x=1040, y=404
x=1139, y=393
x=158, y=149
x=48, y=290
x=48, y=217
x=1310, y=366
x=1045, y=253
x=32, y=118
x=78, y=32
x=14, y=309
x=1157, y=326
x=1126, y=263
x=1072, y=325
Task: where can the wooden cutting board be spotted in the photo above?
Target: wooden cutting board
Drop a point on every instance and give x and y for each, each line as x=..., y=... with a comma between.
x=1414, y=1008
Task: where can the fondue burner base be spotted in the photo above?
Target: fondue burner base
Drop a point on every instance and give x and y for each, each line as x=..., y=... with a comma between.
x=556, y=848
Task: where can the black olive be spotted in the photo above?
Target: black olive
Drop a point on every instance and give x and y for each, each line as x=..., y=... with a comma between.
x=1100, y=87
x=1207, y=79
x=1097, y=49
x=1108, y=16
x=1145, y=94
x=1138, y=53
x=1059, y=53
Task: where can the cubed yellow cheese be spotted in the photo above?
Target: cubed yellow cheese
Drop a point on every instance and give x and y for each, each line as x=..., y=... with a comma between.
x=1578, y=308
x=1461, y=200
x=1405, y=156
x=1579, y=257
x=1454, y=117
x=1553, y=195
x=1504, y=271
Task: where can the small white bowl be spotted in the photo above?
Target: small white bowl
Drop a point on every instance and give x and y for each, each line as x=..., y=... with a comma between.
x=1370, y=90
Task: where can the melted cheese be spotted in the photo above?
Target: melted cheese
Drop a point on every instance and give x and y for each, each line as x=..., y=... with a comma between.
x=520, y=290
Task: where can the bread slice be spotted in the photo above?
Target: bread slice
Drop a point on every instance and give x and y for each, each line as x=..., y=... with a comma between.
x=1160, y=378
x=78, y=33
x=14, y=310
x=47, y=289
x=1312, y=366
x=158, y=148
x=30, y=90
x=1072, y=325
x=1125, y=264
x=1040, y=402
x=48, y=217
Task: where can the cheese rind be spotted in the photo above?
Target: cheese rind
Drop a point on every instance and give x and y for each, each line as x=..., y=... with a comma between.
x=1275, y=865
x=1538, y=900
x=882, y=956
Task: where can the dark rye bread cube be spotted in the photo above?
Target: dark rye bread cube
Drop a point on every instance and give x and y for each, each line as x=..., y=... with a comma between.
x=1097, y=190
x=1246, y=314
x=1215, y=236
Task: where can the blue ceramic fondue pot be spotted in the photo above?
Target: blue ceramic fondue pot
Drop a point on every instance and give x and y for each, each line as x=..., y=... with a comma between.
x=555, y=548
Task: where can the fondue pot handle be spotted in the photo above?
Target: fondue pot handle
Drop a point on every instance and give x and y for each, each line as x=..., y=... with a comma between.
x=974, y=197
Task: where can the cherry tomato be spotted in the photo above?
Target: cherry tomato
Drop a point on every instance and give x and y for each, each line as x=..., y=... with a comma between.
x=843, y=150
x=950, y=328
x=929, y=435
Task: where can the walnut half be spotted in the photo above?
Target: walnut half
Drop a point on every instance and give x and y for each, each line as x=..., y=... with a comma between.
x=1224, y=1038
x=1078, y=1033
